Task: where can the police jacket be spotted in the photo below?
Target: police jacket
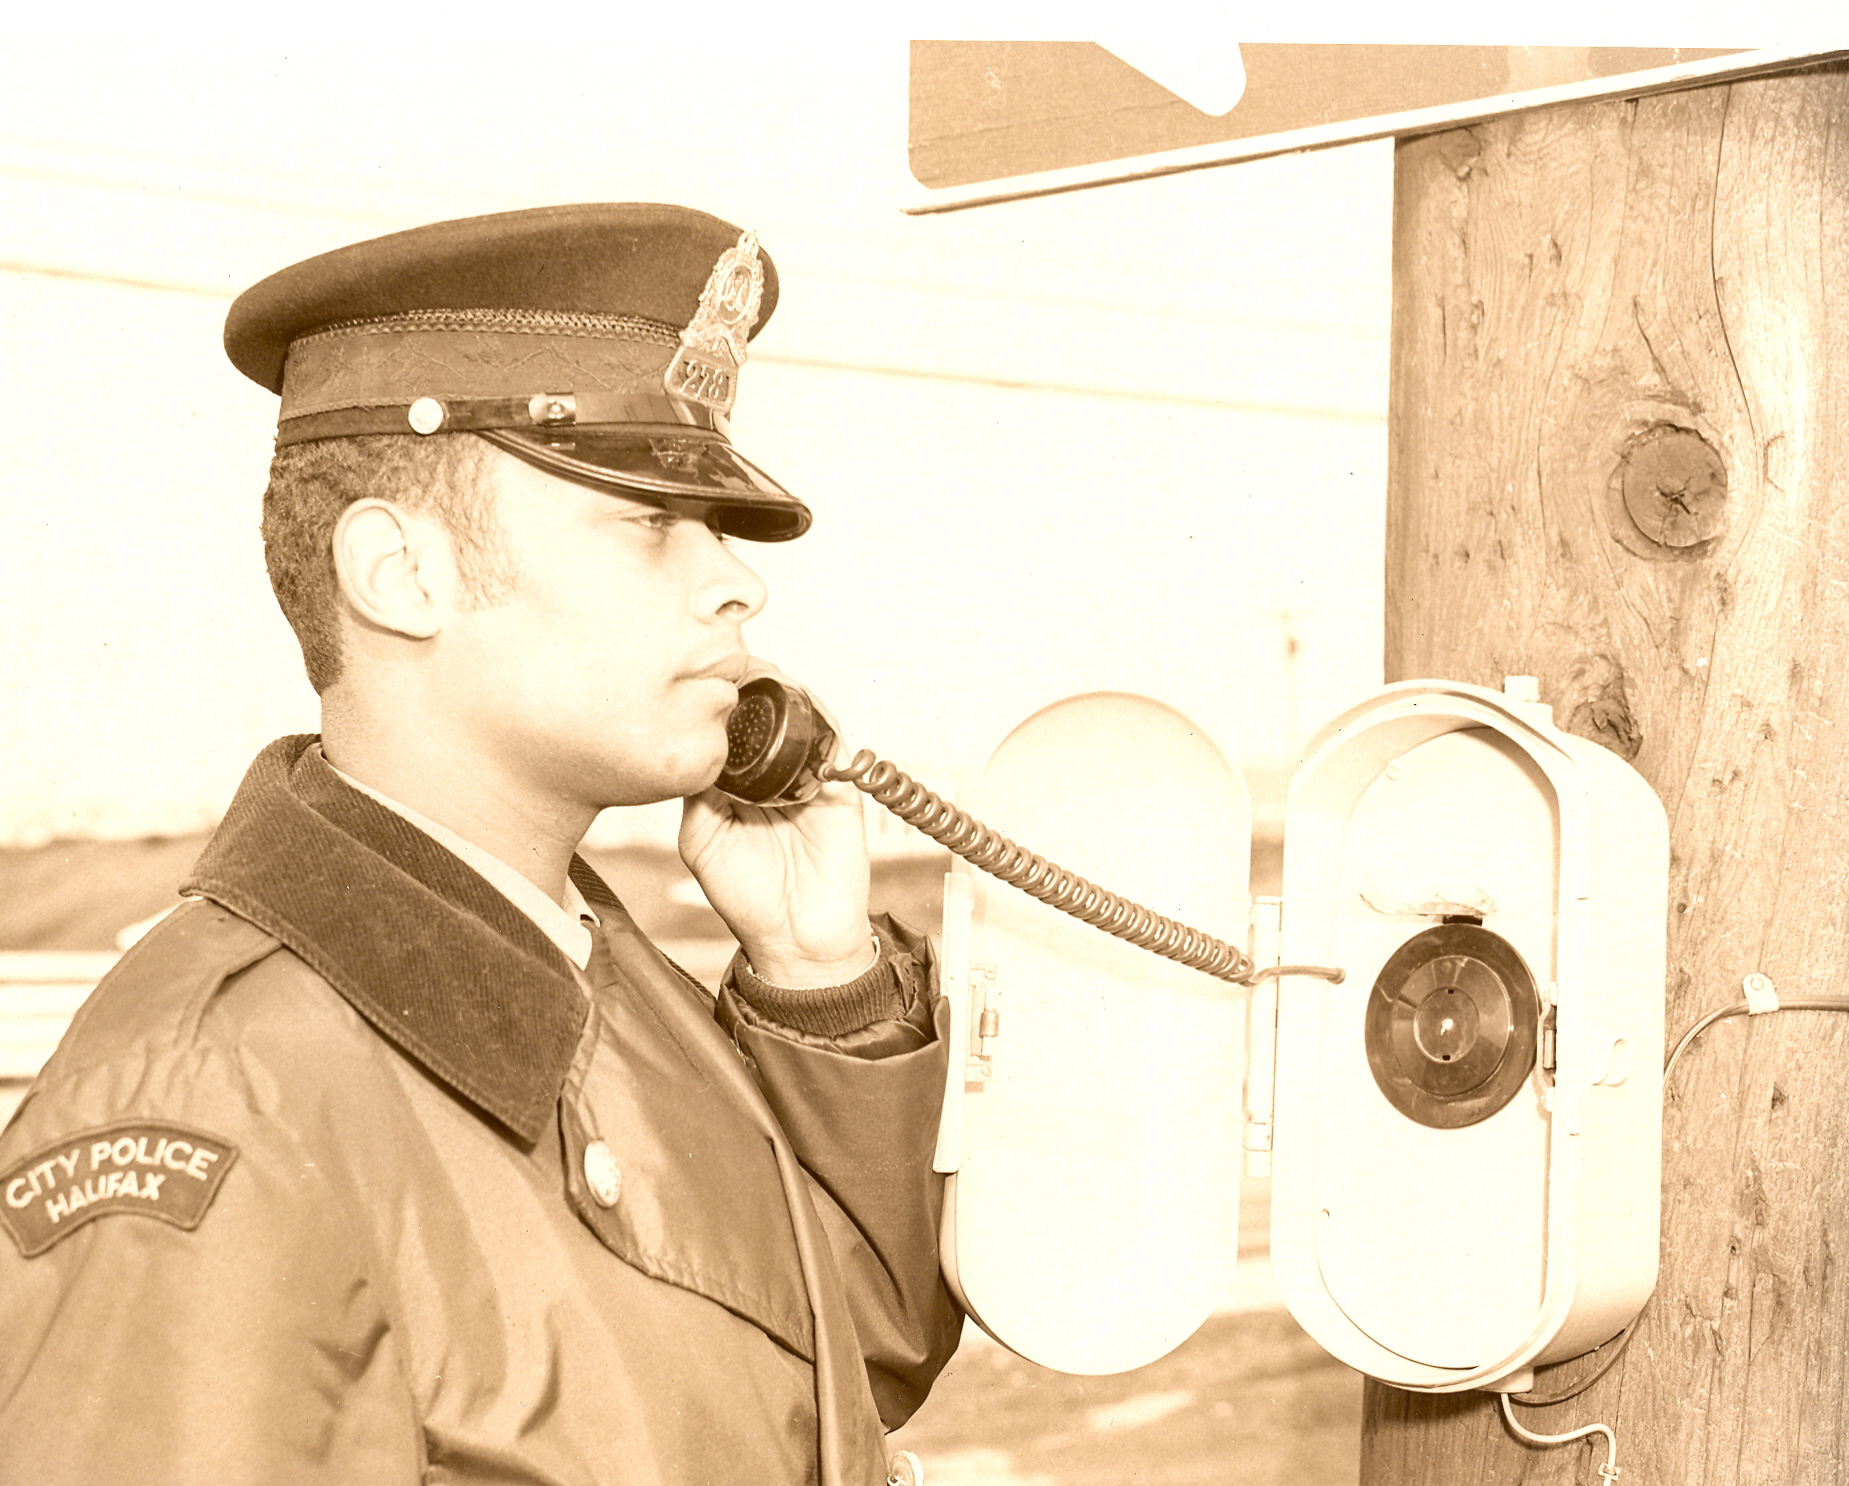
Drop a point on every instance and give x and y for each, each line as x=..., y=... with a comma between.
x=345, y=1174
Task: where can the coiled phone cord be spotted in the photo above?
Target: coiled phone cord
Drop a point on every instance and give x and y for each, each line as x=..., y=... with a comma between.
x=1034, y=875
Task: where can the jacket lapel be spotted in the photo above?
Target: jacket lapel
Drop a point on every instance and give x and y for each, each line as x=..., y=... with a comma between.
x=440, y=963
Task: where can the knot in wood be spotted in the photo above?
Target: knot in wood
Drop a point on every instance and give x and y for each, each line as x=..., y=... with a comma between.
x=1675, y=488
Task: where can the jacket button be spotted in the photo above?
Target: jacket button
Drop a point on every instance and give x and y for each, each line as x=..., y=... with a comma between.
x=603, y=1175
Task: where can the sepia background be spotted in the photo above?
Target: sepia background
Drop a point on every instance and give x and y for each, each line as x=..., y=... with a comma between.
x=1130, y=439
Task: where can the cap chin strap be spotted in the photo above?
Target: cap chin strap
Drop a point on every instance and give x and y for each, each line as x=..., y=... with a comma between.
x=760, y=511
x=428, y=415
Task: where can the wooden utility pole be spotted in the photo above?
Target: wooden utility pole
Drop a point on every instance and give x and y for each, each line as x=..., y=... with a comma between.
x=1620, y=462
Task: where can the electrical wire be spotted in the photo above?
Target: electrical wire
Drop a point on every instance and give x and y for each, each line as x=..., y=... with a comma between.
x=1609, y=1470
x=1618, y=1343
x=1743, y=1008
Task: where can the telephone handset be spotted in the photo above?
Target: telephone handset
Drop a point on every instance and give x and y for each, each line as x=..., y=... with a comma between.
x=777, y=741
x=781, y=748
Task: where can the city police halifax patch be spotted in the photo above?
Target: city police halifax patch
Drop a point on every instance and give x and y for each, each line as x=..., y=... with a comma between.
x=158, y=1171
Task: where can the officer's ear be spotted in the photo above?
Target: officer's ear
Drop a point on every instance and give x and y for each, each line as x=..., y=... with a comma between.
x=396, y=568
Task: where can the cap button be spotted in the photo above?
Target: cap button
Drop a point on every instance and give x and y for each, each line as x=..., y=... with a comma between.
x=425, y=415
x=603, y=1175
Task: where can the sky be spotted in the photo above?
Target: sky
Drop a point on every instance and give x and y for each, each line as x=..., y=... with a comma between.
x=1127, y=439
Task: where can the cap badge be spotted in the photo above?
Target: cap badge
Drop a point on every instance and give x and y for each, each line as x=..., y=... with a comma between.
x=712, y=349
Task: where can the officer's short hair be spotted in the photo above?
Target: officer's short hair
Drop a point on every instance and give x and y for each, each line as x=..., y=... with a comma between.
x=312, y=483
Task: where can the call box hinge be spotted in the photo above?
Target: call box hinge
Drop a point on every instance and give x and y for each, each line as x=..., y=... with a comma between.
x=985, y=1025
x=1262, y=1034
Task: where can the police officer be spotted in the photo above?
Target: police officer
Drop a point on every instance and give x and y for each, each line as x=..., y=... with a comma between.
x=398, y=1153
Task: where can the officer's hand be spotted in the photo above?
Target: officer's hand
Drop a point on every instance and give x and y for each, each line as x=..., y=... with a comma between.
x=790, y=884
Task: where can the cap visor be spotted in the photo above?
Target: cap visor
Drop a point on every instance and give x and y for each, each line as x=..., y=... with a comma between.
x=675, y=467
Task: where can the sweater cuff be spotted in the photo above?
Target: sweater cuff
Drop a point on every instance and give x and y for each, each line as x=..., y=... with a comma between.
x=826, y=1011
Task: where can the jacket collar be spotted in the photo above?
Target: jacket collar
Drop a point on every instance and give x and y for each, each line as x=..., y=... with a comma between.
x=440, y=963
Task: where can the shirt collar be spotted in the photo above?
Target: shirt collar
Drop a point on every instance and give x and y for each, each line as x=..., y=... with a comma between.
x=564, y=925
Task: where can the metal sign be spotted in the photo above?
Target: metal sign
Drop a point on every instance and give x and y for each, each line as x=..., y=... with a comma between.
x=1000, y=120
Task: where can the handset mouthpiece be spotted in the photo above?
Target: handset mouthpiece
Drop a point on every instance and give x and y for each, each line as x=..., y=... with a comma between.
x=779, y=739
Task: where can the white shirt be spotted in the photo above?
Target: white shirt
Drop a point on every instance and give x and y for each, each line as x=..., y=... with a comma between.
x=567, y=925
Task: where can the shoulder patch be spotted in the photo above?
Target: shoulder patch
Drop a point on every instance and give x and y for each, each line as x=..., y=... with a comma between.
x=158, y=1171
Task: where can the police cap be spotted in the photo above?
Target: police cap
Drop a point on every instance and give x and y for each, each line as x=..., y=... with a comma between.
x=601, y=342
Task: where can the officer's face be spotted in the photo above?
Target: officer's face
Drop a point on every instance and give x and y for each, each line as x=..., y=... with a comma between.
x=606, y=674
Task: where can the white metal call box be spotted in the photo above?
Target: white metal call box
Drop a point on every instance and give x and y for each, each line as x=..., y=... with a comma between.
x=1463, y=1132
